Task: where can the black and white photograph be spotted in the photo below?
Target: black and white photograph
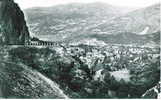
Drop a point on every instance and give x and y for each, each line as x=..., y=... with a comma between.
x=80, y=49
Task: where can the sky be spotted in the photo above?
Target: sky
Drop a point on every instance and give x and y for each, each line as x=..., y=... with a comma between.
x=122, y=3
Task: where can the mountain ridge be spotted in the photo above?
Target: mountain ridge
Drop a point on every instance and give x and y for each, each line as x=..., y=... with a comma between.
x=62, y=24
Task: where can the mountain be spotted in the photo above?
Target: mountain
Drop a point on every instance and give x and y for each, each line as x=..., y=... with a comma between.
x=141, y=21
x=154, y=37
x=62, y=21
x=13, y=29
x=77, y=22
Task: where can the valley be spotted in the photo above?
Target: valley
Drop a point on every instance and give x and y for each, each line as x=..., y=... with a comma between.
x=79, y=51
x=84, y=71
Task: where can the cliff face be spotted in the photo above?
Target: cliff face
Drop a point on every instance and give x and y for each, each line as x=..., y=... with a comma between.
x=13, y=29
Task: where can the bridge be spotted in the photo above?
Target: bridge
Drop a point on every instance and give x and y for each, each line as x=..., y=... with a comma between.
x=42, y=43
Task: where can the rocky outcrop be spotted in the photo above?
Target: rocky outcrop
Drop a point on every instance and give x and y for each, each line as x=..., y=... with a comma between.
x=13, y=29
x=154, y=92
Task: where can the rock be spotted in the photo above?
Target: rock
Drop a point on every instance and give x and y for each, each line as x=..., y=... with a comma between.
x=154, y=92
x=13, y=29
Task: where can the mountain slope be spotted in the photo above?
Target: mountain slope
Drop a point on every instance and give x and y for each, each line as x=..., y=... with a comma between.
x=142, y=21
x=62, y=21
x=76, y=22
x=18, y=81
